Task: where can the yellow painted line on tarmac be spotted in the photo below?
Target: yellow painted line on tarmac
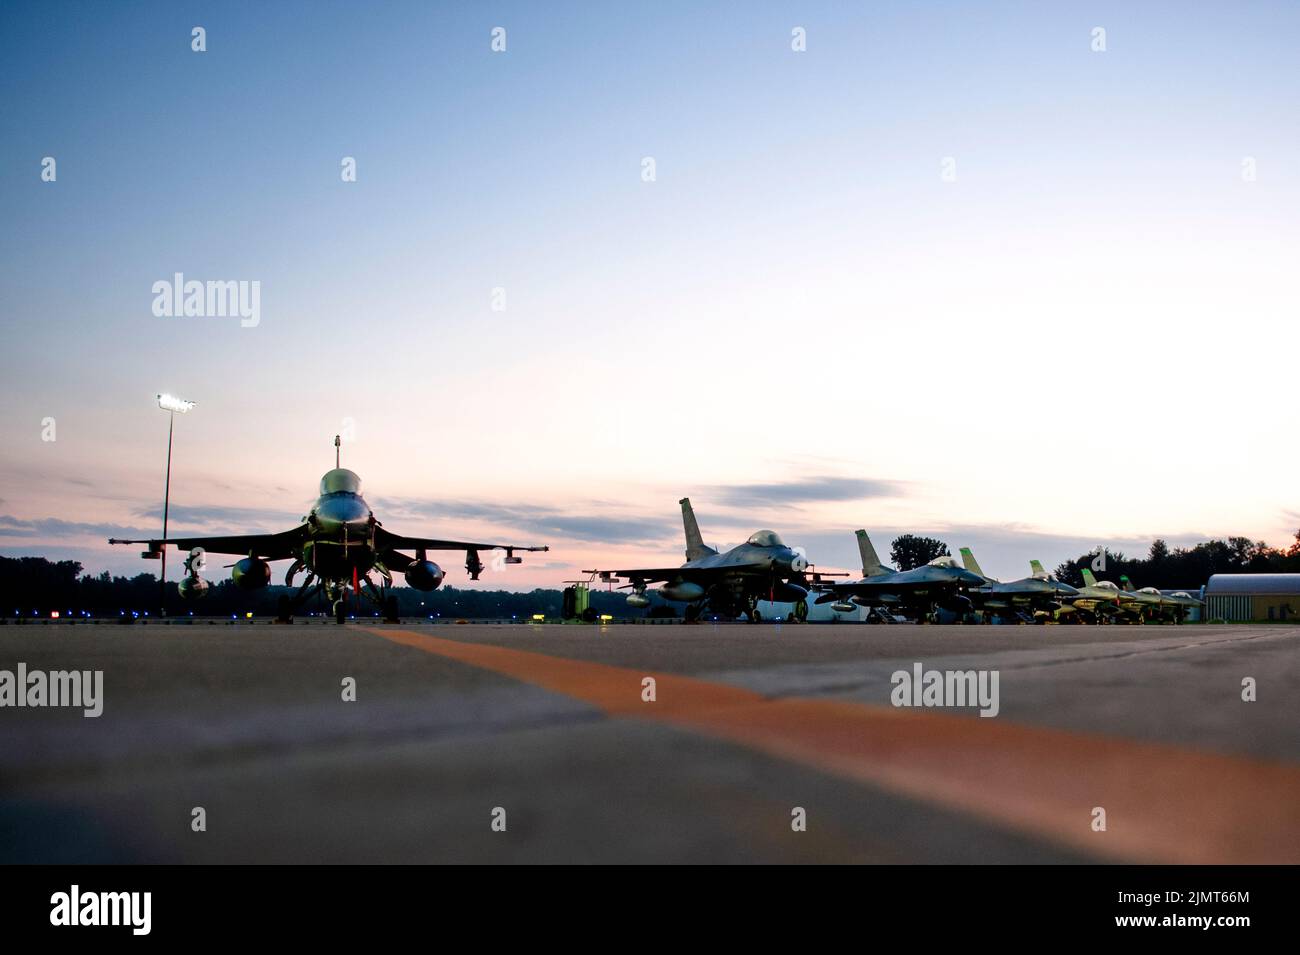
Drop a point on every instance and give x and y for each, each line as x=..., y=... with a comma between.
x=1163, y=803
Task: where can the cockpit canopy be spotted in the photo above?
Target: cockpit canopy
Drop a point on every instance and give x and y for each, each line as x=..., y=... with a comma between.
x=765, y=539
x=340, y=480
x=946, y=560
x=1107, y=585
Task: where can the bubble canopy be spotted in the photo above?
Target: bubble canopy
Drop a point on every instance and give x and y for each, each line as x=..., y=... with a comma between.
x=340, y=480
x=765, y=539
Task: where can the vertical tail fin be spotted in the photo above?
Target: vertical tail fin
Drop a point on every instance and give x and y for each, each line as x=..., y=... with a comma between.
x=1088, y=579
x=870, y=562
x=1036, y=569
x=1125, y=583
x=695, y=548
x=970, y=563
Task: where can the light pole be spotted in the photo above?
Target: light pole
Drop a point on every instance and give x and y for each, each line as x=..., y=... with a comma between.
x=171, y=405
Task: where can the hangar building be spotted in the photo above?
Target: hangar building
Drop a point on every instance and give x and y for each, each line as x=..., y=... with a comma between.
x=1253, y=597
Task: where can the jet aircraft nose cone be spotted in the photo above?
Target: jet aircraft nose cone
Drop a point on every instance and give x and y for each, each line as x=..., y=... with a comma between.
x=334, y=514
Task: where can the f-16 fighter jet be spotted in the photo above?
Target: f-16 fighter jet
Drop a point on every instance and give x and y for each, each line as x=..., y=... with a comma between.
x=1096, y=602
x=338, y=544
x=918, y=592
x=731, y=583
x=1174, y=606
x=1034, y=598
x=1133, y=606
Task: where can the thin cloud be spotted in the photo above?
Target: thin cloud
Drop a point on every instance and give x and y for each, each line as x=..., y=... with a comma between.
x=810, y=490
x=54, y=528
x=231, y=518
x=538, y=521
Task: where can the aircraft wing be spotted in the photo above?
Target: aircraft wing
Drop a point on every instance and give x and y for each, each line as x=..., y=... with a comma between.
x=872, y=589
x=650, y=575
x=385, y=540
x=645, y=575
x=388, y=544
x=267, y=546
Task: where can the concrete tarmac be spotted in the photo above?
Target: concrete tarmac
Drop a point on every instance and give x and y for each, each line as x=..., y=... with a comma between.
x=752, y=730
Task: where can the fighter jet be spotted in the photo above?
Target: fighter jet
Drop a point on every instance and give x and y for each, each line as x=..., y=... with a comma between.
x=1033, y=598
x=1173, y=606
x=918, y=592
x=1186, y=604
x=730, y=584
x=1095, y=602
x=1133, y=606
x=338, y=544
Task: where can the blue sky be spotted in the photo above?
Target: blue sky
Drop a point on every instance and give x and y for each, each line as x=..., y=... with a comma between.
x=1044, y=348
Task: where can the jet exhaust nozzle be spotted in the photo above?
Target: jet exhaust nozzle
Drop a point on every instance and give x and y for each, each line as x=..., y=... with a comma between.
x=424, y=575
x=251, y=573
x=842, y=607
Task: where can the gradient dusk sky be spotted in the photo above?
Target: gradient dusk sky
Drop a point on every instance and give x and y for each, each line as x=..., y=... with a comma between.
x=1087, y=336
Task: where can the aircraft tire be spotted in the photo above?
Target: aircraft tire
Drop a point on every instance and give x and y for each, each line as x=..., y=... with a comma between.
x=340, y=611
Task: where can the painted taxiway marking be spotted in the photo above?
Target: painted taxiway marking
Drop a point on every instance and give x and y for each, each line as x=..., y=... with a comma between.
x=1163, y=803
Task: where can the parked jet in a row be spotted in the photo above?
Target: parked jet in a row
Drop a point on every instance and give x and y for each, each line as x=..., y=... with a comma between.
x=917, y=592
x=338, y=544
x=1038, y=597
x=730, y=583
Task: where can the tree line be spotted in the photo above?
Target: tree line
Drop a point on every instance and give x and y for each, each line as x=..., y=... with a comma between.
x=1185, y=567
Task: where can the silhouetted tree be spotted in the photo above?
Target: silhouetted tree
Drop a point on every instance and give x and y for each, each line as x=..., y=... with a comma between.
x=910, y=551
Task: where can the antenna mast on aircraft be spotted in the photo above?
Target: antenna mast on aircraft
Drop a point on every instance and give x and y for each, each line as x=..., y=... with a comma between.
x=337, y=442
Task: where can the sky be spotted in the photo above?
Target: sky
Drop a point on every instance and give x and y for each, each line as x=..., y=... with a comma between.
x=952, y=269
